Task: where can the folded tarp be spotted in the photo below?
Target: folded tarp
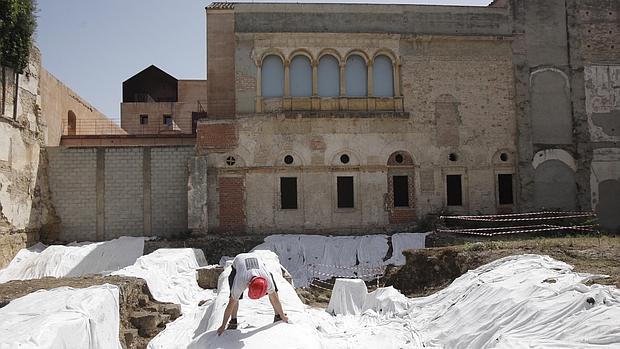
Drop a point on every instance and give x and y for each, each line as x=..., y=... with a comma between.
x=350, y=297
x=62, y=318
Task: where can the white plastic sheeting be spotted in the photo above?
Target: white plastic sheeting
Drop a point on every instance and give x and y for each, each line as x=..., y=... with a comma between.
x=350, y=297
x=62, y=318
x=516, y=302
x=171, y=275
x=308, y=256
x=73, y=260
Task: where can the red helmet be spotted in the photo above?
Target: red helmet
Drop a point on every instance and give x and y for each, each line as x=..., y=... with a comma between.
x=257, y=287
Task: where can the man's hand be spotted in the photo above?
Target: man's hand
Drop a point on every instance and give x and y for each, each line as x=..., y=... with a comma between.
x=221, y=330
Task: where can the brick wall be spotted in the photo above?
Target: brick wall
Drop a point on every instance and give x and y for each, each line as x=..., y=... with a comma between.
x=169, y=174
x=72, y=179
x=123, y=192
x=102, y=193
x=221, y=68
x=216, y=137
x=232, y=203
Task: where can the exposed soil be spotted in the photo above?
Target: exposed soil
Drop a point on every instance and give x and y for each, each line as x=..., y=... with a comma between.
x=141, y=316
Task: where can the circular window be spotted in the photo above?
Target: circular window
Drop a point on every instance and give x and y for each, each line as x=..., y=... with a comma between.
x=453, y=157
x=288, y=159
x=503, y=157
x=344, y=158
x=399, y=158
x=230, y=161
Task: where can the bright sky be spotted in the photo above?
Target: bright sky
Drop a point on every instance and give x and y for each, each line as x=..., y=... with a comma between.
x=95, y=45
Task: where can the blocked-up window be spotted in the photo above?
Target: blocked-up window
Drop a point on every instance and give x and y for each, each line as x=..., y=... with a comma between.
x=288, y=193
x=356, y=75
x=400, y=185
x=504, y=186
x=454, y=190
x=300, y=74
x=383, y=77
x=272, y=77
x=345, y=192
x=329, y=77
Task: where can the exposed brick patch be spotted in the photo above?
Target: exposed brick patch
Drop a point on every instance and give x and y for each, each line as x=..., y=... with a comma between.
x=232, y=204
x=216, y=137
x=402, y=216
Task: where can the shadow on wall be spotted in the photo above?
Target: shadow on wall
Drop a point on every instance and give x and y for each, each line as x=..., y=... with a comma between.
x=609, y=206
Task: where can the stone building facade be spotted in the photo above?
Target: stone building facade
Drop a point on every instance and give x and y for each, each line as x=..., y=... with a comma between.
x=371, y=124
x=507, y=108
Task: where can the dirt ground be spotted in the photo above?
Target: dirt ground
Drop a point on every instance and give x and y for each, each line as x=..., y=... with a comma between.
x=432, y=269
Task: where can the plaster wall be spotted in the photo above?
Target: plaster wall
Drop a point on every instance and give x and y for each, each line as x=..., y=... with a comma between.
x=57, y=100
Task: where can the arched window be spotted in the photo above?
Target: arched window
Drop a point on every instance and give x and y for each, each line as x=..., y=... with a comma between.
x=72, y=123
x=272, y=77
x=356, y=75
x=301, y=77
x=329, y=77
x=383, y=77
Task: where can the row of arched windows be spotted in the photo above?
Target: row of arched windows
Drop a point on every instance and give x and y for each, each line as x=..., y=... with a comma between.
x=354, y=73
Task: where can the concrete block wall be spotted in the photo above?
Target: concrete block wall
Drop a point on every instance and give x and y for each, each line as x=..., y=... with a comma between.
x=169, y=172
x=72, y=178
x=124, y=192
x=106, y=192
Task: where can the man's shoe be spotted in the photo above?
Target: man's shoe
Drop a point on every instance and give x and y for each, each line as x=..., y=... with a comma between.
x=232, y=325
x=277, y=318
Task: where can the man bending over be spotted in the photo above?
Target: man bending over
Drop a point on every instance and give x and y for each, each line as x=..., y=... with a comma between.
x=248, y=271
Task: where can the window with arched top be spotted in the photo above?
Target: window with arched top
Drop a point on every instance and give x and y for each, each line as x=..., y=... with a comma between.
x=272, y=77
x=329, y=77
x=383, y=77
x=356, y=75
x=300, y=76
x=72, y=123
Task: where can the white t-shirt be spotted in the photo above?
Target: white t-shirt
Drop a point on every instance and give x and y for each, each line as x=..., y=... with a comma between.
x=249, y=265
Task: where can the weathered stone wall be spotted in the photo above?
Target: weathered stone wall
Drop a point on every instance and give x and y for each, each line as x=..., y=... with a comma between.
x=458, y=98
x=24, y=208
x=106, y=192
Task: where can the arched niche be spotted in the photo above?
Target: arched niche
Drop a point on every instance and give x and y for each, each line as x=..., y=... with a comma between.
x=383, y=76
x=71, y=123
x=555, y=186
x=356, y=76
x=300, y=70
x=552, y=121
x=328, y=76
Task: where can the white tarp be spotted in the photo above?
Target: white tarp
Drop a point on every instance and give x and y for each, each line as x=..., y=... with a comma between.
x=324, y=257
x=171, y=275
x=73, y=260
x=62, y=318
x=520, y=301
x=350, y=297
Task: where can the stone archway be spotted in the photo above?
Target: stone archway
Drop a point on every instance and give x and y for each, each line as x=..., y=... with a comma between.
x=555, y=187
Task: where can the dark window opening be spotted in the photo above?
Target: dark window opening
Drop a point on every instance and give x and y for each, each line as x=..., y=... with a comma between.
x=344, y=159
x=504, y=182
x=288, y=193
x=454, y=190
x=453, y=157
x=345, y=192
x=168, y=120
x=399, y=158
x=503, y=157
x=288, y=159
x=401, y=191
x=231, y=161
x=144, y=119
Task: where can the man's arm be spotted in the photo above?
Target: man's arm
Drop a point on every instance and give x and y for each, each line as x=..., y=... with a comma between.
x=229, y=309
x=277, y=306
